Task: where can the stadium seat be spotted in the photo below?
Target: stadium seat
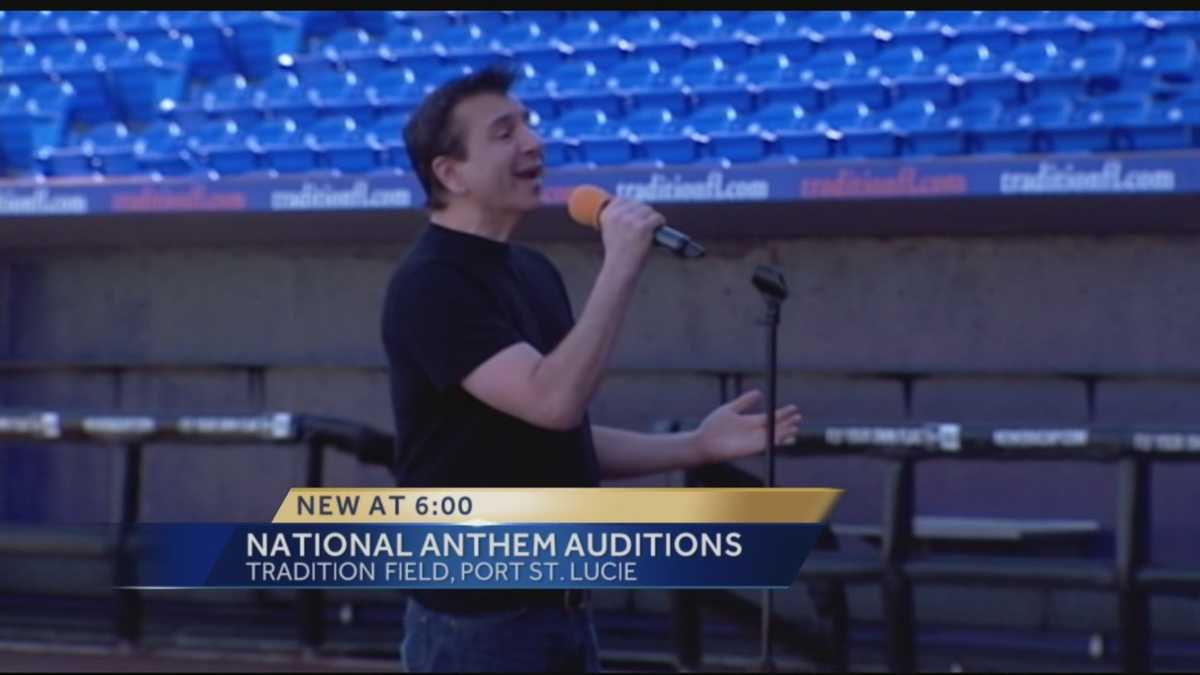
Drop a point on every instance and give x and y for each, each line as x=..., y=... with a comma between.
x=80, y=159
x=214, y=51
x=223, y=147
x=281, y=95
x=711, y=82
x=1018, y=130
x=162, y=148
x=1018, y=69
x=260, y=36
x=1101, y=64
x=345, y=145
x=949, y=132
x=159, y=72
x=874, y=86
x=1130, y=27
x=388, y=134
x=340, y=49
x=765, y=25
x=394, y=90
x=987, y=26
x=406, y=46
x=338, y=94
x=70, y=61
x=281, y=146
x=910, y=29
x=1168, y=60
x=622, y=147
x=842, y=30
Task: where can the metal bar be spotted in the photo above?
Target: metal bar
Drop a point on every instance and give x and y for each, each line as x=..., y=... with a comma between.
x=1133, y=547
x=894, y=548
x=312, y=601
x=129, y=602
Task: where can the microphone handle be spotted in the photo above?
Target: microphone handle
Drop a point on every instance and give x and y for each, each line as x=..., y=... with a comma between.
x=677, y=242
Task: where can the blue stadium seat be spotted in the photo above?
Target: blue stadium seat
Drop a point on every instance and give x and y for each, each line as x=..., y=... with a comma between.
x=466, y=45
x=260, y=36
x=345, y=145
x=215, y=53
x=281, y=146
x=140, y=24
x=531, y=89
x=89, y=25
x=1124, y=120
x=346, y=45
x=1130, y=27
x=338, y=94
x=780, y=117
x=1184, y=23
x=281, y=95
x=231, y=96
x=989, y=27
x=1101, y=64
x=711, y=34
x=406, y=46
x=81, y=159
x=578, y=85
x=582, y=31
x=394, y=90
x=70, y=62
x=881, y=134
x=841, y=30
x=726, y=136
x=817, y=140
x=162, y=148
x=440, y=76
x=221, y=146
x=622, y=147
x=711, y=82
x=21, y=64
x=159, y=72
x=641, y=27
x=488, y=20
x=910, y=29
x=388, y=133
x=644, y=82
x=949, y=133
x=875, y=85
x=112, y=147
x=939, y=78
x=766, y=25
x=26, y=125
x=377, y=22
x=1025, y=63
x=1168, y=60
x=1062, y=28
x=1018, y=130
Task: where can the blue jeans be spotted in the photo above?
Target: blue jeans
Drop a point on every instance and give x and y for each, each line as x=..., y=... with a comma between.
x=532, y=640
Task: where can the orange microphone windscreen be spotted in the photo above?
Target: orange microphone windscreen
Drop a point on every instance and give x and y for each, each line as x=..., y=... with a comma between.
x=585, y=204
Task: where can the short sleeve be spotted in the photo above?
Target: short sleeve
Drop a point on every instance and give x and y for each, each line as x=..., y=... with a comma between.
x=447, y=322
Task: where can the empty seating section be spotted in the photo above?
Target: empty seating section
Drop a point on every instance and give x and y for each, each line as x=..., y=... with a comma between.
x=239, y=92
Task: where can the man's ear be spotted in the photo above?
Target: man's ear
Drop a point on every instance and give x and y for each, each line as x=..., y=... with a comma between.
x=446, y=170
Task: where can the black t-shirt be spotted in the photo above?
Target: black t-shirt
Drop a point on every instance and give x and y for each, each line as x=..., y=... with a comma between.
x=454, y=302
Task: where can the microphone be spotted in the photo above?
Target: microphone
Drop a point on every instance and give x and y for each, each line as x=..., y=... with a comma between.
x=587, y=202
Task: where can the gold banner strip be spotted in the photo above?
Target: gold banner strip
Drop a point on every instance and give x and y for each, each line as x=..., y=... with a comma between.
x=556, y=505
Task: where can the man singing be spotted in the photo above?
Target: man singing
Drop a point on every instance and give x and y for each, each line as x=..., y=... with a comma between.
x=491, y=375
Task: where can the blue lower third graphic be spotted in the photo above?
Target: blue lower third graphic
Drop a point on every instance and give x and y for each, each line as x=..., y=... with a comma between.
x=536, y=555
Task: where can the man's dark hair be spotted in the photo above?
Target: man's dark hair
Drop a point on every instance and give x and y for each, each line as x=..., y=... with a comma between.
x=431, y=131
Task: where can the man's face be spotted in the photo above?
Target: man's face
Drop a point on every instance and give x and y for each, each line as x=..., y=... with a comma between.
x=503, y=168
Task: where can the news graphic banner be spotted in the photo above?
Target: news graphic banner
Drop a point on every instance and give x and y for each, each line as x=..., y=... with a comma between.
x=1170, y=172
x=493, y=538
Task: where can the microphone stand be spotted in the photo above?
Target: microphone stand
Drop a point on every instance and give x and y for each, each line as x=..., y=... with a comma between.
x=773, y=288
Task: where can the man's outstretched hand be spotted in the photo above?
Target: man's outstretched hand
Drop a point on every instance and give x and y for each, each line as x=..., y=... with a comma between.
x=730, y=432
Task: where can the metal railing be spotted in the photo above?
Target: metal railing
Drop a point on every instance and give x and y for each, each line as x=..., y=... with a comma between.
x=1133, y=450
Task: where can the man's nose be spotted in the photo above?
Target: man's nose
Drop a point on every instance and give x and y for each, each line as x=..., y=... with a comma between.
x=531, y=141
